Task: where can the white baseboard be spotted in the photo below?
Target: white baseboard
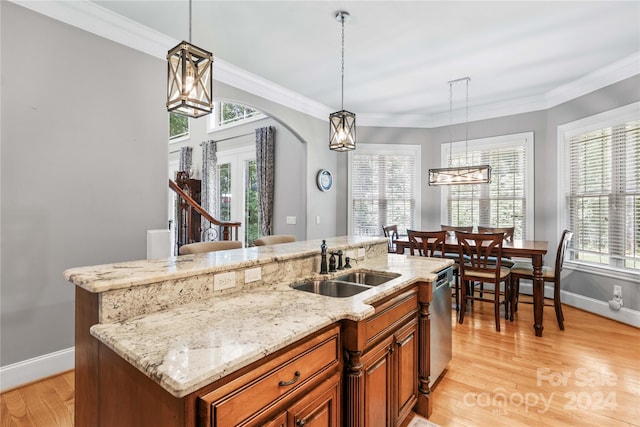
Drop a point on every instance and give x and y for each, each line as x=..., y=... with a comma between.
x=31, y=370
x=601, y=308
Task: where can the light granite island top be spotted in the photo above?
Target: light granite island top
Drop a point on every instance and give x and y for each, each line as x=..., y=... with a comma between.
x=185, y=347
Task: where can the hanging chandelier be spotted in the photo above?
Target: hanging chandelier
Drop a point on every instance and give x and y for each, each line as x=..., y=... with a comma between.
x=464, y=174
x=189, y=79
x=342, y=124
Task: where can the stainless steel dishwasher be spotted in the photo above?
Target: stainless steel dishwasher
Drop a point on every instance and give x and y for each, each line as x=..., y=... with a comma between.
x=440, y=316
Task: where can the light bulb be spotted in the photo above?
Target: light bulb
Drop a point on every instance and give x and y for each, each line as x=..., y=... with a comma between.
x=189, y=81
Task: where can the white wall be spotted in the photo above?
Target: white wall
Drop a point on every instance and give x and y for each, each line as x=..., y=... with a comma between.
x=84, y=165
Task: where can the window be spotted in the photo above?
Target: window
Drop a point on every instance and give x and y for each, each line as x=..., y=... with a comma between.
x=178, y=127
x=237, y=175
x=505, y=202
x=228, y=114
x=384, y=188
x=601, y=188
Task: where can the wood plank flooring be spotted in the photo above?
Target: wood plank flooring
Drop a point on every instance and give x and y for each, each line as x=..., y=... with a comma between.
x=587, y=375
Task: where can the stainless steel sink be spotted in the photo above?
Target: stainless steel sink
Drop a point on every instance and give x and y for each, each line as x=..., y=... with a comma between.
x=367, y=278
x=331, y=288
x=346, y=285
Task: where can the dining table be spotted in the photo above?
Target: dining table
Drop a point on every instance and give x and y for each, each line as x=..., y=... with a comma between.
x=531, y=249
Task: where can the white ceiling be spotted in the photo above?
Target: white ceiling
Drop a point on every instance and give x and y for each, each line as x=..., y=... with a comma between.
x=399, y=55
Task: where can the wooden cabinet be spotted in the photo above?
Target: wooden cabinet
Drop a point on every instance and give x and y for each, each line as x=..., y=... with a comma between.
x=300, y=386
x=318, y=408
x=382, y=365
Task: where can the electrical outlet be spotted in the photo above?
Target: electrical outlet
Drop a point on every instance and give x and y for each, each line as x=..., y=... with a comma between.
x=224, y=281
x=361, y=252
x=291, y=220
x=252, y=275
x=617, y=291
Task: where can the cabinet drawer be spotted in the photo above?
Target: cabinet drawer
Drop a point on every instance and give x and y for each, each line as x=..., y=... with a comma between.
x=390, y=314
x=288, y=373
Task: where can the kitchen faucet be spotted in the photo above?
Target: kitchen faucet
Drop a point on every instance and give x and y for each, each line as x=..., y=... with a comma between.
x=323, y=254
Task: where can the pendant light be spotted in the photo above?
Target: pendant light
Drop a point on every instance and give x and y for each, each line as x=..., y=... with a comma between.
x=342, y=124
x=189, y=79
x=478, y=174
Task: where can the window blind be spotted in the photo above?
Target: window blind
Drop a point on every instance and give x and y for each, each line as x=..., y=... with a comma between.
x=604, y=195
x=505, y=201
x=383, y=191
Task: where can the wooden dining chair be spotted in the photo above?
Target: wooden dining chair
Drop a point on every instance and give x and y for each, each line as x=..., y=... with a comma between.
x=508, y=237
x=431, y=244
x=476, y=251
x=274, y=239
x=451, y=229
x=201, y=247
x=508, y=231
x=391, y=233
x=524, y=270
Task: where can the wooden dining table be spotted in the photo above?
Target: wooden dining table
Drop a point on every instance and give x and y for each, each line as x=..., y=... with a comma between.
x=532, y=249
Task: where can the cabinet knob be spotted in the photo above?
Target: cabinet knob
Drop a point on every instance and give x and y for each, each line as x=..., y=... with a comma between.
x=301, y=423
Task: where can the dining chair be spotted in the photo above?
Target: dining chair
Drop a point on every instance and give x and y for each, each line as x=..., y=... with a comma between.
x=451, y=229
x=524, y=270
x=480, y=248
x=391, y=233
x=274, y=239
x=508, y=237
x=431, y=244
x=201, y=247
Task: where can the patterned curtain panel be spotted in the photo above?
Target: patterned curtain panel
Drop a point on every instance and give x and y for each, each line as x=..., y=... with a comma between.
x=186, y=154
x=209, y=189
x=265, y=165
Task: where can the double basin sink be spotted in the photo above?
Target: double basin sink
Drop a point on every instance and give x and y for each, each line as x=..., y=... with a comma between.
x=345, y=285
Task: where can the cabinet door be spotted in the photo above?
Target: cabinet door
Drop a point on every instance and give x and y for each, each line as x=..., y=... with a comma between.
x=406, y=355
x=320, y=407
x=378, y=384
x=279, y=421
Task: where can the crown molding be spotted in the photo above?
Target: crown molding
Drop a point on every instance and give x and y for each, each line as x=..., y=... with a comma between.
x=613, y=73
x=98, y=20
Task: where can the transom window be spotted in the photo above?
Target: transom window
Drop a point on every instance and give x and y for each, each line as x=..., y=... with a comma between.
x=228, y=114
x=505, y=202
x=601, y=188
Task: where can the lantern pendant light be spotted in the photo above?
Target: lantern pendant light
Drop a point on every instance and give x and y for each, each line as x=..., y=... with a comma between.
x=477, y=174
x=189, y=79
x=342, y=124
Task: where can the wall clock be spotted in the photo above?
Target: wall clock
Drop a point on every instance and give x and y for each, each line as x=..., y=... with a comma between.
x=324, y=179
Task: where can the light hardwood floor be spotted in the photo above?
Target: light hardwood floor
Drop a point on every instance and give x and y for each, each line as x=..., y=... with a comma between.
x=588, y=375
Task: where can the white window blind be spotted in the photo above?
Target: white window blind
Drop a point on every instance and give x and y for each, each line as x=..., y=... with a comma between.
x=505, y=202
x=383, y=188
x=604, y=194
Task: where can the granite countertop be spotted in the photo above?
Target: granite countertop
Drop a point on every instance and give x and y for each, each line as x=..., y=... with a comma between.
x=107, y=277
x=190, y=346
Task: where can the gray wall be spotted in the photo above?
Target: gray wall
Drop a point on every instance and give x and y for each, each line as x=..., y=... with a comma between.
x=83, y=165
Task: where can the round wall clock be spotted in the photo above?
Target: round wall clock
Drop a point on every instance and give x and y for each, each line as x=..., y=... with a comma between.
x=324, y=179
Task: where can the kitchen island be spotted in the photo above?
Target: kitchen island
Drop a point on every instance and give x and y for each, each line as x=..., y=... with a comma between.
x=158, y=344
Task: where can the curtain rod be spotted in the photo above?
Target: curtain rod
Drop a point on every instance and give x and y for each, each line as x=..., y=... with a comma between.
x=232, y=137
